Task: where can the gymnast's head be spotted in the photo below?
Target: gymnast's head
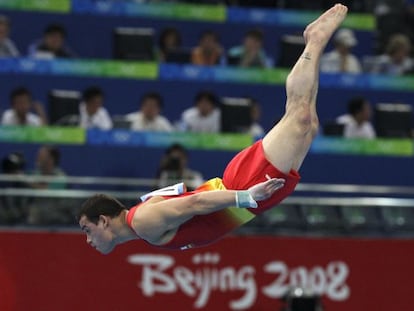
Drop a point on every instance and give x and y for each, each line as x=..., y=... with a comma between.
x=101, y=218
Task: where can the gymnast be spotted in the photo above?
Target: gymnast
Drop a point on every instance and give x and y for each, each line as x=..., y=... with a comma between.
x=255, y=180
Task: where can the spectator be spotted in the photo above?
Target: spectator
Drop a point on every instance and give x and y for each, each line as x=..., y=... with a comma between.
x=341, y=59
x=92, y=114
x=7, y=46
x=52, y=45
x=170, y=40
x=397, y=59
x=174, y=169
x=256, y=130
x=204, y=117
x=149, y=118
x=208, y=51
x=13, y=208
x=49, y=210
x=19, y=113
x=251, y=53
x=357, y=121
x=47, y=164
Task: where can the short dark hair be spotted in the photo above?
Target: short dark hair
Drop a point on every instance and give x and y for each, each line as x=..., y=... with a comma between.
x=167, y=32
x=152, y=95
x=209, y=33
x=19, y=91
x=176, y=147
x=356, y=105
x=255, y=33
x=100, y=204
x=210, y=96
x=55, y=28
x=54, y=152
x=92, y=92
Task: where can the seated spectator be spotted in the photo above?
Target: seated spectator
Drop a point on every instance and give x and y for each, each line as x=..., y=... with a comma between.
x=47, y=164
x=13, y=208
x=341, y=59
x=174, y=169
x=170, y=40
x=92, y=114
x=357, y=121
x=256, y=130
x=52, y=45
x=208, y=51
x=396, y=60
x=7, y=46
x=204, y=117
x=149, y=118
x=49, y=210
x=19, y=113
x=251, y=53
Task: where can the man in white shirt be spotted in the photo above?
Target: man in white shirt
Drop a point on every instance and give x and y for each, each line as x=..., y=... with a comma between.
x=341, y=60
x=205, y=117
x=92, y=114
x=19, y=113
x=357, y=122
x=148, y=118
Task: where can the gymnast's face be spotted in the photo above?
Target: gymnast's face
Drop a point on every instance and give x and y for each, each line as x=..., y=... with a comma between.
x=99, y=235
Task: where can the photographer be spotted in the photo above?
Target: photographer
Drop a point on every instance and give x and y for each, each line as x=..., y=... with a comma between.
x=173, y=169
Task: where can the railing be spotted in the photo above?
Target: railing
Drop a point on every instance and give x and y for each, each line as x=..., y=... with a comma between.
x=312, y=208
x=298, y=197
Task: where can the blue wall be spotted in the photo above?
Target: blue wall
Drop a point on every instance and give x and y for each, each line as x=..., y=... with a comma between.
x=143, y=163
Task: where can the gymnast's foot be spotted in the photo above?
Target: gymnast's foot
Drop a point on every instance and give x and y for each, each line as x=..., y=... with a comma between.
x=320, y=31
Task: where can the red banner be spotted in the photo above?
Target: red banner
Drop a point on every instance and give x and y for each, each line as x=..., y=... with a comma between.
x=56, y=271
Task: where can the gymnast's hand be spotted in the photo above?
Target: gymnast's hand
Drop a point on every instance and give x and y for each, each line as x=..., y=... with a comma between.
x=265, y=190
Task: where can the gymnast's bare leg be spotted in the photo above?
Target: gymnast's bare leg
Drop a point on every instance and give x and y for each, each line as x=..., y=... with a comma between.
x=287, y=143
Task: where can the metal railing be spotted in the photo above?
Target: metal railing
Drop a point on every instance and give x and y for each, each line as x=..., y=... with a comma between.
x=314, y=194
x=304, y=209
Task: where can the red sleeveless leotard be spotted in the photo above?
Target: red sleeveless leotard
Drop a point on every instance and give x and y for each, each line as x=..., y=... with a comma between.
x=247, y=168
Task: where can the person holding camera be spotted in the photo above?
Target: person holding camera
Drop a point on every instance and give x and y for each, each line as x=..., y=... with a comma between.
x=173, y=169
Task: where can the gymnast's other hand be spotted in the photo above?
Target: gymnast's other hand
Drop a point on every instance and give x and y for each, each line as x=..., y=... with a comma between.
x=266, y=189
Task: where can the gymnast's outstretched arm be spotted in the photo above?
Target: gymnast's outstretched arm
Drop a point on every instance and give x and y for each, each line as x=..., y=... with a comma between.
x=158, y=216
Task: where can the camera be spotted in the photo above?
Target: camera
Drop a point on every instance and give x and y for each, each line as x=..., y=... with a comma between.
x=173, y=163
